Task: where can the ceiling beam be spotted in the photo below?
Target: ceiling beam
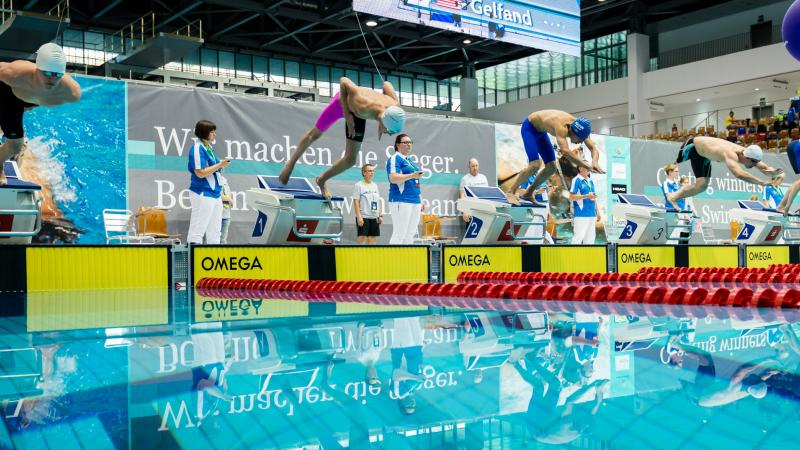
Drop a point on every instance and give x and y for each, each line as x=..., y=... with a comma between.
x=234, y=25
x=179, y=14
x=103, y=11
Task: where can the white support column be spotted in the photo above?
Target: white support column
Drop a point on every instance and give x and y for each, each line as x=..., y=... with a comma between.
x=639, y=116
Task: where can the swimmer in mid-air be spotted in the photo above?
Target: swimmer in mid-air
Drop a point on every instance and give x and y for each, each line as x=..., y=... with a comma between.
x=535, y=130
x=25, y=85
x=702, y=150
x=355, y=105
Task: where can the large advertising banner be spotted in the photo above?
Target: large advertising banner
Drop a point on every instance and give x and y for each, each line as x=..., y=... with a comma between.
x=511, y=159
x=545, y=24
x=76, y=152
x=712, y=206
x=258, y=134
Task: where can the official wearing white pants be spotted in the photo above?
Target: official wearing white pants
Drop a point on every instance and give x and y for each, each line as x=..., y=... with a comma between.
x=206, y=219
x=405, y=220
x=404, y=193
x=584, y=204
x=205, y=189
x=584, y=230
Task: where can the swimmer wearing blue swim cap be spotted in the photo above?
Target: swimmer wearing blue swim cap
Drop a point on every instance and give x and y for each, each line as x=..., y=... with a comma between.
x=25, y=85
x=536, y=131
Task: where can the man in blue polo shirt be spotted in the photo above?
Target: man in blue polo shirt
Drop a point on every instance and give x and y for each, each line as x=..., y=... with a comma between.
x=583, y=198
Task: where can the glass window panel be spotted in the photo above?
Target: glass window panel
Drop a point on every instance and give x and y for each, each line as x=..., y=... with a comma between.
x=336, y=76
x=276, y=70
x=406, y=94
x=292, y=73
x=307, y=75
x=352, y=74
x=208, y=58
x=244, y=65
x=260, y=67
x=191, y=62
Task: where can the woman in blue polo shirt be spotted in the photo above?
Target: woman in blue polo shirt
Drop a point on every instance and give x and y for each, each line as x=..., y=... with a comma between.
x=583, y=198
x=205, y=189
x=404, y=194
x=773, y=194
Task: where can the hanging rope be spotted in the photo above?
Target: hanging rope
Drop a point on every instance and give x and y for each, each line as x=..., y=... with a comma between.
x=366, y=44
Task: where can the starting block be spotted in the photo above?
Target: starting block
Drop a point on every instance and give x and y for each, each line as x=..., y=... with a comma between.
x=494, y=219
x=647, y=223
x=758, y=225
x=293, y=213
x=20, y=208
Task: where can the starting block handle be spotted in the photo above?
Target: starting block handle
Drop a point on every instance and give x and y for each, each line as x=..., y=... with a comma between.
x=530, y=223
x=24, y=212
x=338, y=219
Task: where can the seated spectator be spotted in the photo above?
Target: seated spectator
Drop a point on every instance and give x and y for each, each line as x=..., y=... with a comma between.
x=674, y=127
x=730, y=120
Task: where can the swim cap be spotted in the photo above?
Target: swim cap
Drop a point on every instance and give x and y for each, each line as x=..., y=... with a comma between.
x=754, y=152
x=582, y=128
x=50, y=58
x=758, y=390
x=394, y=119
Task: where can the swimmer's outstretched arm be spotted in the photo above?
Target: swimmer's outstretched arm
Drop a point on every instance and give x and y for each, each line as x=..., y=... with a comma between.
x=738, y=172
x=69, y=91
x=562, y=143
x=768, y=170
x=595, y=155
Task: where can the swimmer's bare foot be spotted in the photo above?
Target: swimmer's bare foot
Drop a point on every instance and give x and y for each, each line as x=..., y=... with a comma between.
x=512, y=198
x=322, y=189
x=286, y=173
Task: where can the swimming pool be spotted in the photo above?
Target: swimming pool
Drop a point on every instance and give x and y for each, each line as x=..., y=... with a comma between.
x=431, y=377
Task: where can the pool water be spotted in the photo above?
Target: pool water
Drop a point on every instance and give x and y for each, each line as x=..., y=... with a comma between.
x=406, y=379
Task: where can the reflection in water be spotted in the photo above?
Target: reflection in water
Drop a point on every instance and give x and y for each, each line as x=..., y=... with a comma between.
x=465, y=379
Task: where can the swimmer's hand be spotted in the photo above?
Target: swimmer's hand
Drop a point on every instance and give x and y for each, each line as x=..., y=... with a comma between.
x=774, y=171
x=596, y=168
x=351, y=126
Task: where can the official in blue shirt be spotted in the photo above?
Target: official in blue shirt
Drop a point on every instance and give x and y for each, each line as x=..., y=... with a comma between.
x=671, y=185
x=584, y=202
x=404, y=193
x=205, y=189
x=772, y=196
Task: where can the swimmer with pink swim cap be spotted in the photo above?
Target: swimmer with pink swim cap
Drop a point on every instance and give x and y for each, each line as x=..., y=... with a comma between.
x=356, y=105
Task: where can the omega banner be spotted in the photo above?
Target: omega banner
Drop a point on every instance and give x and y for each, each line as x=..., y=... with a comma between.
x=260, y=133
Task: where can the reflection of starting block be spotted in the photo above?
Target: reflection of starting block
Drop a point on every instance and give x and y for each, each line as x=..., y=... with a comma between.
x=495, y=219
x=758, y=225
x=293, y=213
x=648, y=223
x=20, y=218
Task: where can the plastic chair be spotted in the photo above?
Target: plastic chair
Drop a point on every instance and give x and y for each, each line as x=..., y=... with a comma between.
x=152, y=221
x=120, y=229
x=431, y=230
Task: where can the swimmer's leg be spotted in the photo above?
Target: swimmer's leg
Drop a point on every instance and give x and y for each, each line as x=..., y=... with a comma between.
x=788, y=199
x=700, y=185
x=541, y=177
x=347, y=161
x=523, y=176
x=8, y=150
x=308, y=138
